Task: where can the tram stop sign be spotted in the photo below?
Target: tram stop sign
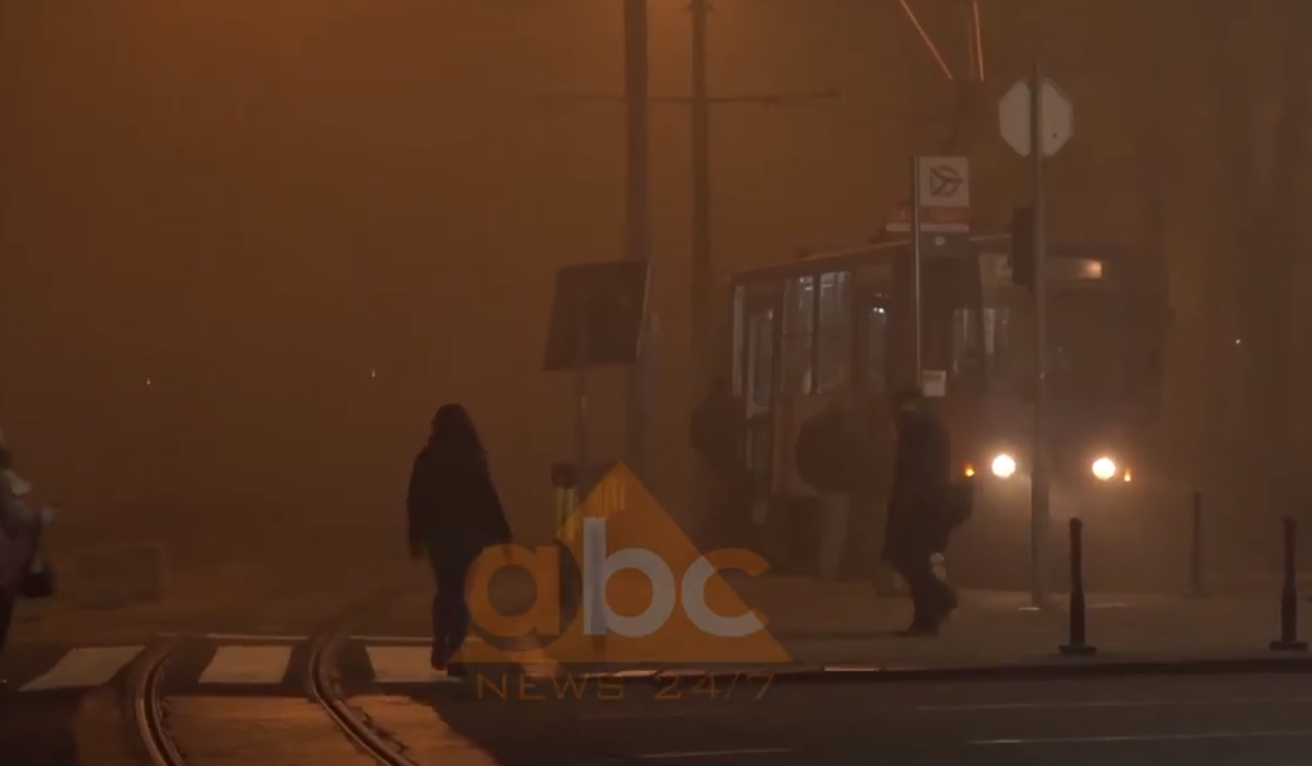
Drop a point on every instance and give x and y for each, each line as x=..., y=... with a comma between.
x=1056, y=118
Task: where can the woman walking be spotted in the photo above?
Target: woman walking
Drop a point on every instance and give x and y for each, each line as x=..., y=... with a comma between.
x=455, y=513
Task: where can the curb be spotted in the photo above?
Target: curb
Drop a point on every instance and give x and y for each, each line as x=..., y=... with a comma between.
x=1055, y=669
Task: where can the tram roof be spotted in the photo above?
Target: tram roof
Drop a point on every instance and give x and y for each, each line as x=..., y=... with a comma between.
x=974, y=244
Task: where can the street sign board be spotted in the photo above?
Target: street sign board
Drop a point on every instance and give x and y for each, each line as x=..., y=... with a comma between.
x=944, y=182
x=933, y=220
x=1056, y=121
x=944, y=197
x=597, y=315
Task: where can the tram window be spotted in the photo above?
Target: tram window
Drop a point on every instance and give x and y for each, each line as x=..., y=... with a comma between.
x=1014, y=361
x=966, y=336
x=739, y=329
x=799, y=335
x=835, y=336
x=995, y=326
x=877, y=349
x=762, y=361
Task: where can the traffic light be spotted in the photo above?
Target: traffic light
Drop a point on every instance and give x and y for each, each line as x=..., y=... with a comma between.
x=1022, y=247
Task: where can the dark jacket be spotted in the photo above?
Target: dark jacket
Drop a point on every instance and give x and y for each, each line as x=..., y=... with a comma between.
x=453, y=503
x=718, y=433
x=918, y=522
x=829, y=451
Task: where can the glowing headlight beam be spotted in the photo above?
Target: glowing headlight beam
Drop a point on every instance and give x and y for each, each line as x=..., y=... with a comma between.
x=1003, y=466
x=1104, y=468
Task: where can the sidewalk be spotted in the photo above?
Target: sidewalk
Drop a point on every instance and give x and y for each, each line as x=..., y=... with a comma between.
x=851, y=623
x=258, y=592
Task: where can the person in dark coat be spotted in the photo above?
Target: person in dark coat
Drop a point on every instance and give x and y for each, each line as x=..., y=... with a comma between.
x=918, y=522
x=720, y=432
x=455, y=514
x=828, y=455
x=9, y=522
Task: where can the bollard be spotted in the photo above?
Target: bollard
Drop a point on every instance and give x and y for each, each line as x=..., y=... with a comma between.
x=1077, y=646
x=1288, y=641
x=565, y=484
x=1196, y=548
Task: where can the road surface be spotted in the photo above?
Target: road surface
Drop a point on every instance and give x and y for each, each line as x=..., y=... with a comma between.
x=1245, y=721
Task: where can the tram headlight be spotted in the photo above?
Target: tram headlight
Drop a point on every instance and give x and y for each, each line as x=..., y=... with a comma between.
x=1003, y=466
x=1104, y=469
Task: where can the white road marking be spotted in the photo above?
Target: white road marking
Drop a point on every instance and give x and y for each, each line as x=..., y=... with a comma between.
x=720, y=753
x=247, y=665
x=654, y=714
x=403, y=665
x=1112, y=704
x=406, y=640
x=85, y=667
x=1114, y=739
x=254, y=637
x=400, y=640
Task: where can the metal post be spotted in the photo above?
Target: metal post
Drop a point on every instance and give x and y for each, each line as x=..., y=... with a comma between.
x=1288, y=641
x=700, y=131
x=638, y=216
x=1078, y=642
x=565, y=486
x=1196, y=548
x=1039, y=484
x=915, y=265
x=583, y=447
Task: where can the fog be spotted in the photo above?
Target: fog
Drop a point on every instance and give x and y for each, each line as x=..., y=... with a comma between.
x=248, y=248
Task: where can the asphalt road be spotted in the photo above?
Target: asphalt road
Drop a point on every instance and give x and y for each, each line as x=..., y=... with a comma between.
x=1245, y=721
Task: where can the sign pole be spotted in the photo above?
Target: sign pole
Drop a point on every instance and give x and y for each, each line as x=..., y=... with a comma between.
x=583, y=479
x=915, y=258
x=1039, y=488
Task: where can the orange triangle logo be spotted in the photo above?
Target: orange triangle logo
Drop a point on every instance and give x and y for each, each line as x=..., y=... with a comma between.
x=645, y=594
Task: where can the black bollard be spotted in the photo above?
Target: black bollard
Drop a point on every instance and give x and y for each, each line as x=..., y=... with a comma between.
x=1077, y=646
x=565, y=483
x=1196, y=548
x=1288, y=641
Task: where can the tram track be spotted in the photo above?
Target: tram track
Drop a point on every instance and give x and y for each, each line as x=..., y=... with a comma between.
x=323, y=688
x=148, y=701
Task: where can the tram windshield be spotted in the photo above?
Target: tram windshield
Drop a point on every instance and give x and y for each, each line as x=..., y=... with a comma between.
x=1086, y=346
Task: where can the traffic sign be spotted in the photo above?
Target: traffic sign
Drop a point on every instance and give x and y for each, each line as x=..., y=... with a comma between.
x=1056, y=118
x=944, y=182
x=943, y=188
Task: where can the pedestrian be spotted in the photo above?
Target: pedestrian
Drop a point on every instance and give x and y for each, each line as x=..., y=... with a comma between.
x=19, y=533
x=454, y=515
x=829, y=454
x=719, y=432
x=922, y=510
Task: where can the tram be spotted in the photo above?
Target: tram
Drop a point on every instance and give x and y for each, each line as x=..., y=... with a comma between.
x=802, y=329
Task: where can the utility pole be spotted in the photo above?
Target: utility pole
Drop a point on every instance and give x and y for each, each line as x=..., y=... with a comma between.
x=701, y=287
x=637, y=217
x=1039, y=481
x=700, y=102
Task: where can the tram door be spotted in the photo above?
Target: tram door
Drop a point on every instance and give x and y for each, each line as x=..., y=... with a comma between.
x=874, y=347
x=755, y=368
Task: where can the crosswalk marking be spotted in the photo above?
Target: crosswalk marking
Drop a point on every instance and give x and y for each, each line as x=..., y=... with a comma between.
x=247, y=665
x=399, y=660
x=85, y=667
x=402, y=664
x=254, y=637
